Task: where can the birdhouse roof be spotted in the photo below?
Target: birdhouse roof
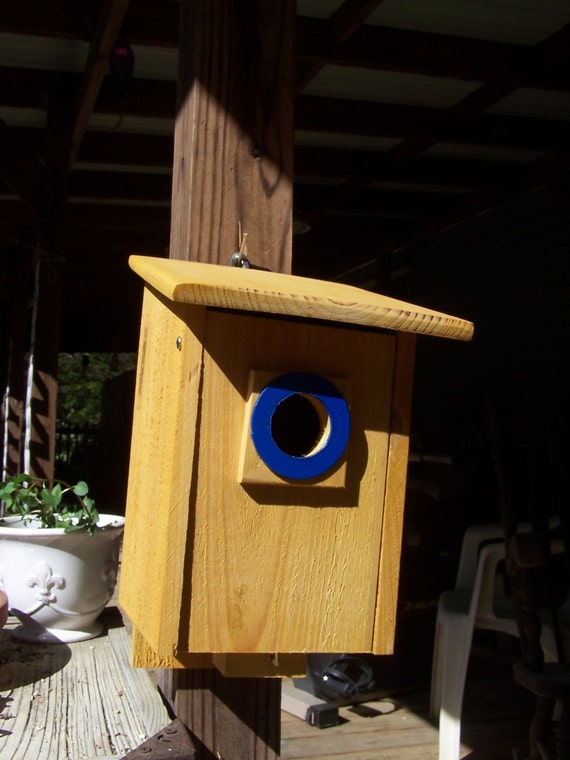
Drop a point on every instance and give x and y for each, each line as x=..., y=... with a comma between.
x=254, y=290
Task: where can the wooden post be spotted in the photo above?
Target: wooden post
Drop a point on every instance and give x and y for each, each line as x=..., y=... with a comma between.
x=232, y=176
x=233, y=143
x=33, y=329
x=44, y=387
x=17, y=337
x=49, y=289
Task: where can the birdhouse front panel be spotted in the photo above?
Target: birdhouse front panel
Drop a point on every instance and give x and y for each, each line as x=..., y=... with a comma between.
x=268, y=465
x=288, y=561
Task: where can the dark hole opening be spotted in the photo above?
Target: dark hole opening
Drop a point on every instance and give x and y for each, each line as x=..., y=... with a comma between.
x=296, y=425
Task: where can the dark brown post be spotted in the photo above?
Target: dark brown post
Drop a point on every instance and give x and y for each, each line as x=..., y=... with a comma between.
x=17, y=343
x=49, y=289
x=233, y=145
x=44, y=386
x=233, y=167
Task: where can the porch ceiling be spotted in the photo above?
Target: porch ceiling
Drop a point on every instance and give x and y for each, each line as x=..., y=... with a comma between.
x=409, y=117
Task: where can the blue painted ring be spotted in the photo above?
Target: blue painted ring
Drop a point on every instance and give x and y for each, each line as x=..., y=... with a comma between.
x=328, y=453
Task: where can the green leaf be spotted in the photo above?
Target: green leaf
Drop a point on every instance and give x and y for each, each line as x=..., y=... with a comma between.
x=81, y=488
x=26, y=496
x=51, y=498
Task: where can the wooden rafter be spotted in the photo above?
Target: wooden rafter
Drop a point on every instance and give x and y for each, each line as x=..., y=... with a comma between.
x=466, y=111
x=108, y=29
x=340, y=27
x=361, y=159
x=426, y=53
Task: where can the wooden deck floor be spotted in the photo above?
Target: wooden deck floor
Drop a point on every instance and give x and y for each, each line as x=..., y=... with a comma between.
x=495, y=719
x=84, y=702
x=80, y=701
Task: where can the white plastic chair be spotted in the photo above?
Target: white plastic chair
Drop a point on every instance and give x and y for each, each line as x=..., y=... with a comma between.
x=475, y=602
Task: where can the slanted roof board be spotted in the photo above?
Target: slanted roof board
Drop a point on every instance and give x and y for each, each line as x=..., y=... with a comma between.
x=289, y=295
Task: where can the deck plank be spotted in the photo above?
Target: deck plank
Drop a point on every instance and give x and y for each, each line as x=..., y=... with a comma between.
x=495, y=719
x=75, y=702
x=404, y=732
x=85, y=702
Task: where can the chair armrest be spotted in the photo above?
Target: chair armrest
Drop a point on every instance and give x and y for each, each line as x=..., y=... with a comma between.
x=474, y=537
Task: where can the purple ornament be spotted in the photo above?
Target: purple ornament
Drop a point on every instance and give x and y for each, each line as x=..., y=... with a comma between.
x=121, y=66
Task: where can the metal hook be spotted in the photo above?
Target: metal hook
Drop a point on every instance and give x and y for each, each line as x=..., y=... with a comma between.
x=239, y=259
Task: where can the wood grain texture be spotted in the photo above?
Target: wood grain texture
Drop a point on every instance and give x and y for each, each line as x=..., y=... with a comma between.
x=160, y=474
x=233, y=143
x=244, y=568
x=75, y=702
x=232, y=174
x=144, y=656
x=210, y=703
x=148, y=704
x=395, y=495
x=276, y=293
x=102, y=709
x=286, y=568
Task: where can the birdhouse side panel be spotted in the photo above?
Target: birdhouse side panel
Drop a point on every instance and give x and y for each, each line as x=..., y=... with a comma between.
x=160, y=471
x=394, y=500
x=285, y=566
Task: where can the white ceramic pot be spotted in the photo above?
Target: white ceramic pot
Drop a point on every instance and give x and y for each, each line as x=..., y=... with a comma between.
x=58, y=583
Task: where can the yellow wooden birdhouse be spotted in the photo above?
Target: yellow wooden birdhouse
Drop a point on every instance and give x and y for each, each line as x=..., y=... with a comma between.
x=268, y=464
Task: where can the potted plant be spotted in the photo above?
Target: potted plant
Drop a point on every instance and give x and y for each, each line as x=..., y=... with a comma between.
x=58, y=558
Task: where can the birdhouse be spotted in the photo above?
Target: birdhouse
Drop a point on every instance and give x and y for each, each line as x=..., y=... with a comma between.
x=268, y=465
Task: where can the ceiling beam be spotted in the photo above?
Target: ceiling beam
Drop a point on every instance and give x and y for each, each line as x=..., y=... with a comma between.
x=349, y=17
x=69, y=20
x=108, y=30
x=116, y=217
x=470, y=110
x=427, y=54
x=127, y=149
x=340, y=27
x=323, y=114
x=332, y=115
x=28, y=88
x=149, y=22
x=336, y=163
x=382, y=203
x=155, y=22
x=120, y=185
x=155, y=152
x=463, y=116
